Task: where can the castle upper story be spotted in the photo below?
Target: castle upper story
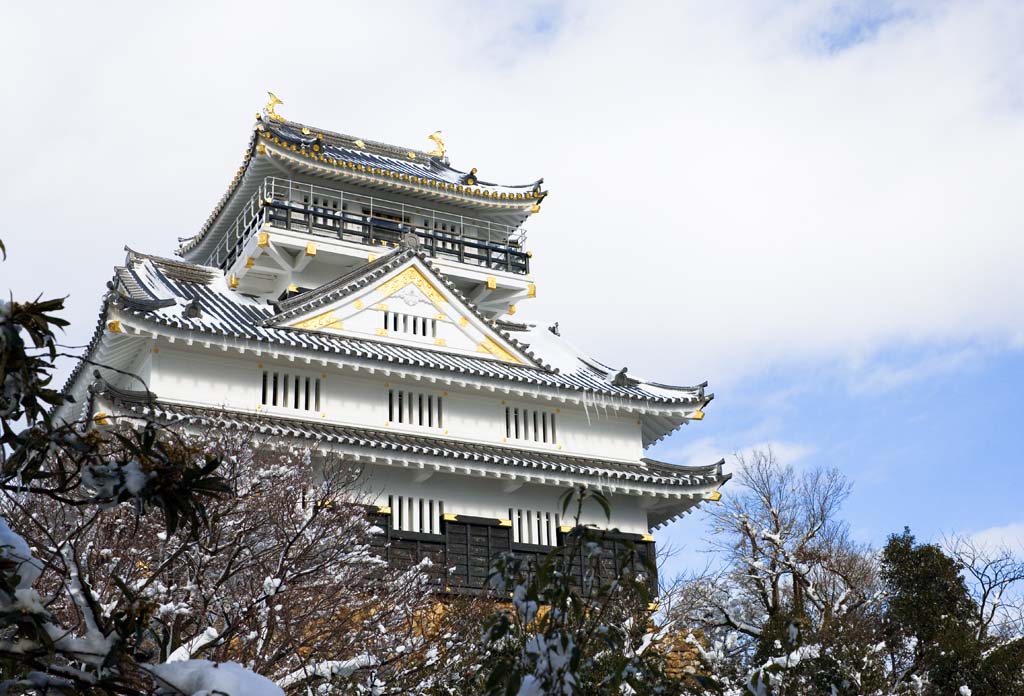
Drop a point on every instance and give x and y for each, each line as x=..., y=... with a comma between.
x=308, y=205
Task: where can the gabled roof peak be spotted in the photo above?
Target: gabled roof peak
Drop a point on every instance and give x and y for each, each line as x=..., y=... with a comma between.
x=359, y=279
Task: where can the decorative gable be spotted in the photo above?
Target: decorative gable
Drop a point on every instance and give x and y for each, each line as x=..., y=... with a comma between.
x=408, y=303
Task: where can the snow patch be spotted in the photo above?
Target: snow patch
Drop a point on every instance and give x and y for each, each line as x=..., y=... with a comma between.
x=206, y=678
x=15, y=549
x=326, y=670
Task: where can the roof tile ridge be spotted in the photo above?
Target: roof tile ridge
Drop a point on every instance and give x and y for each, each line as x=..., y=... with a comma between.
x=395, y=440
x=301, y=133
x=349, y=141
x=202, y=328
x=698, y=468
x=136, y=256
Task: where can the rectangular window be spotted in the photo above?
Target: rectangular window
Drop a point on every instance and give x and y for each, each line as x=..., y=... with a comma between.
x=415, y=408
x=534, y=526
x=425, y=327
x=297, y=392
x=415, y=514
x=530, y=424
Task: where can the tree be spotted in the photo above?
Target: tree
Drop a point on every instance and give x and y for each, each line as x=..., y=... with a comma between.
x=78, y=471
x=128, y=551
x=938, y=636
x=560, y=636
x=284, y=577
x=792, y=609
x=797, y=608
x=994, y=577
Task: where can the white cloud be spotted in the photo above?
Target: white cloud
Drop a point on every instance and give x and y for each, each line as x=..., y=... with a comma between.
x=1010, y=536
x=707, y=450
x=728, y=192
x=881, y=377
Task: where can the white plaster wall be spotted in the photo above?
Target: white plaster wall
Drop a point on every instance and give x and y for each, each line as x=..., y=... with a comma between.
x=200, y=378
x=481, y=497
x=215, y=378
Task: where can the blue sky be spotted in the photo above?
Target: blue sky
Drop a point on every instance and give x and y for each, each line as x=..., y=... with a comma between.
x=849, y=24
x=940, y=453
x=814, y=205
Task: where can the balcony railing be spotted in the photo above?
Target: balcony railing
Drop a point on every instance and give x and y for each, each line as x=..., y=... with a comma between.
x=350, y=217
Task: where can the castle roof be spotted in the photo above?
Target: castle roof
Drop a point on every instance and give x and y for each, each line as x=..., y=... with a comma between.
x=447, y=454
x=162, y=296
x=228, y=313
x=308, y=152
x=646, y=470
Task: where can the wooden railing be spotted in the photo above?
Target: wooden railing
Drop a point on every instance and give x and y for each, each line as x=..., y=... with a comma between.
x=344, y=216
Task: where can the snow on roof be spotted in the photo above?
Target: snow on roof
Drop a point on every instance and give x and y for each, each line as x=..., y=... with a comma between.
x=229, y=313
x=649, y=471
x=558, y=352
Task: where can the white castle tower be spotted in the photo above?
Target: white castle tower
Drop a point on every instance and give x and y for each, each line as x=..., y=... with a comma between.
x=357, y=297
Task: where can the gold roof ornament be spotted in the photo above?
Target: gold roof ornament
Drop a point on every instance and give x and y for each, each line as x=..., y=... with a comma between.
x=269, y=108
x=440, y=149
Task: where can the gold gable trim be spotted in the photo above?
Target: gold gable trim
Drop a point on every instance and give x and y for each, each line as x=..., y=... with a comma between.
x=489, y=346
x=327, y=320
x=412, y=276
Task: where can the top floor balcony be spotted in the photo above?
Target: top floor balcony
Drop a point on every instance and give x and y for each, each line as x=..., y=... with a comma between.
x=350, y=217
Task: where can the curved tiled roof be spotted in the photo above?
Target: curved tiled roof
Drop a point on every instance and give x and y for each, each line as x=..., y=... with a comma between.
x=366, y=160
x=227, y=313
x=375, y=155
x=647, y=471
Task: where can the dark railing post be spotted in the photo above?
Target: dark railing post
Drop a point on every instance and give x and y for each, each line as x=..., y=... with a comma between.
x=369, y=222
x=508, y=249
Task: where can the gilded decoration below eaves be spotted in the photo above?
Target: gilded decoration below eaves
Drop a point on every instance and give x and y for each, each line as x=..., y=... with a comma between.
x=327, y=320
x=489, y=346
x=412, y=276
